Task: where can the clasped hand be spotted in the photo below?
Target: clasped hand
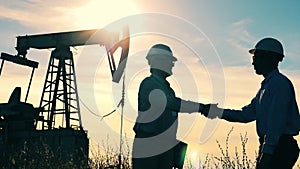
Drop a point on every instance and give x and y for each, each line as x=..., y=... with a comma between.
x=212, y=111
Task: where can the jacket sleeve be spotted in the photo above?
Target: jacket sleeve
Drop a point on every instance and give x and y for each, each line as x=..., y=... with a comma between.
x=184, y=106
x=247, y=114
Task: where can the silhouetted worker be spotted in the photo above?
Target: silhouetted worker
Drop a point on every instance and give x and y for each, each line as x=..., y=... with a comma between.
x=155, y=145
x=274, y=108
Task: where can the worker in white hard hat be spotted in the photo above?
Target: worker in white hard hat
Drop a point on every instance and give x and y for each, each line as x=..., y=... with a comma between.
x=155, y=145
x=274, y=108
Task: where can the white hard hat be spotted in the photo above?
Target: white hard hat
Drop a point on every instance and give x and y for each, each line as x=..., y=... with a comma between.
x=268, y=44
x=160, y=51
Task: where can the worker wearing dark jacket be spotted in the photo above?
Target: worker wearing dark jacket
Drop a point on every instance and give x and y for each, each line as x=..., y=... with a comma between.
x=158, y=106
x=274, y=108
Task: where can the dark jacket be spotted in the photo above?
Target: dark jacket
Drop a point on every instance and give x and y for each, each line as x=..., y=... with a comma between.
x=158, y=108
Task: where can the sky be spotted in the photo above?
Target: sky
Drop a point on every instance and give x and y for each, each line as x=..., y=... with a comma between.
x=211, y=40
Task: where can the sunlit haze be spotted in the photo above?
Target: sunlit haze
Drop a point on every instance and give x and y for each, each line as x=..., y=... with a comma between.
x=210, y=39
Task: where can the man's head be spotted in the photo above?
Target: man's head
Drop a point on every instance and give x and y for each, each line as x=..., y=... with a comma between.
x=160, y=57
x=267, y=53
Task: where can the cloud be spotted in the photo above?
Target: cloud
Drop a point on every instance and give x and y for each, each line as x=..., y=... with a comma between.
x=240, y=34
x=65, y=15
x=241, y=40
x=237, y=41
x=38, y=15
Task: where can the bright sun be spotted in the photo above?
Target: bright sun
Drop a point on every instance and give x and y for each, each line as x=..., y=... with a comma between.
x=98, y=13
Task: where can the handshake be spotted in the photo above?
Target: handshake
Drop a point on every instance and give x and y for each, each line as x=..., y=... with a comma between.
x=211, y=111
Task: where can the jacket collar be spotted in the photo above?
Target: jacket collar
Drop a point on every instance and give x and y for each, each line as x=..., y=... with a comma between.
x=270, y=76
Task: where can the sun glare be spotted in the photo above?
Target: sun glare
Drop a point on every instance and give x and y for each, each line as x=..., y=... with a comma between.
x=194, y=157
x=98, y=13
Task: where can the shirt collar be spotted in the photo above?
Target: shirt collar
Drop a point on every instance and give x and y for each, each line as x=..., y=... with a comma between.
x=159, y=78
x=269, y=76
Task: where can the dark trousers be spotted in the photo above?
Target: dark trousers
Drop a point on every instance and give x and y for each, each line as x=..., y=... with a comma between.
x=160, y=161
x=285, y=155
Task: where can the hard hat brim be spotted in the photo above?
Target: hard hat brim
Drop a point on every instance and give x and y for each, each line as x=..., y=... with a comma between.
x=173, y=58
x=252, y=51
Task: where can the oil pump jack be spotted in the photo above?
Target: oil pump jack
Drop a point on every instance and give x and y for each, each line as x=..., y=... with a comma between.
x=57, y=121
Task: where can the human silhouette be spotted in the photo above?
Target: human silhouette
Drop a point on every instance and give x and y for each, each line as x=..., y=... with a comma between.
x=155, y=145
x=274, y=108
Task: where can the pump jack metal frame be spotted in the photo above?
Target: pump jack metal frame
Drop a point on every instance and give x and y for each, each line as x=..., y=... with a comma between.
x=59, y=101
x=60, y=96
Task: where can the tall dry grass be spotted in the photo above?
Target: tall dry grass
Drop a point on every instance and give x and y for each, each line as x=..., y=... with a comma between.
x=40, y=156
x=107, y=157
x=240, y=159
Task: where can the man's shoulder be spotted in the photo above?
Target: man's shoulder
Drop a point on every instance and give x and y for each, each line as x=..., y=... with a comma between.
x=281, y=79
x=148, y=79
x=147, y=82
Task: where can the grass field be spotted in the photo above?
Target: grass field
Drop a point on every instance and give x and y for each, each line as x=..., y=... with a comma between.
x=108, y=157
